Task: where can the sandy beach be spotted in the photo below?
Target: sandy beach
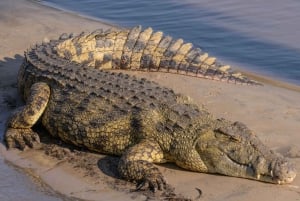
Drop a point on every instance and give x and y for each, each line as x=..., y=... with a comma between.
x=271, y=111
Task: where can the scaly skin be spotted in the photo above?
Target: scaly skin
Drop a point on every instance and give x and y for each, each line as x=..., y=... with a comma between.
x=136, y=119
x=145, y=50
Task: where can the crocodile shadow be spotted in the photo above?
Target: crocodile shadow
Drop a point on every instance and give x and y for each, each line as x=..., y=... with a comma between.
x=9, y=98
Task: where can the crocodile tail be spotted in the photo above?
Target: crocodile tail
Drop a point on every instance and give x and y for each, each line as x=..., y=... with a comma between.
x=138, y=49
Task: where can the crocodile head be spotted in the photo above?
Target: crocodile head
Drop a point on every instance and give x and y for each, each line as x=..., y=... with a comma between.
x=234, y=150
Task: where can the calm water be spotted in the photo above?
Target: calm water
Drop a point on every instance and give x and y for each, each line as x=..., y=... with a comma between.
x=14, y=185
x=260, y=36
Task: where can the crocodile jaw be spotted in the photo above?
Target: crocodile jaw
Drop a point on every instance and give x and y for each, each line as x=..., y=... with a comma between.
x=235, y=151
x=277, y=171
x=282, y=172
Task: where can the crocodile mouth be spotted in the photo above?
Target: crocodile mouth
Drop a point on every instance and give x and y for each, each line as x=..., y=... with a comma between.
x=243, y=169
x=273, y=179
x=272, y=176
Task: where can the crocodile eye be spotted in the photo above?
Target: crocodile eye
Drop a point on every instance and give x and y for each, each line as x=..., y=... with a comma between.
x=234, y=138
x=222, y=134
x=230, y=132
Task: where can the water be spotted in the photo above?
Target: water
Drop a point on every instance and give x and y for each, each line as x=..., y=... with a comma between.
x=259, y=36
x=17, y=186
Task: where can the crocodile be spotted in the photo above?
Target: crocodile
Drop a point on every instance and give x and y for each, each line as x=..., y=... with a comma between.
x=139, y=120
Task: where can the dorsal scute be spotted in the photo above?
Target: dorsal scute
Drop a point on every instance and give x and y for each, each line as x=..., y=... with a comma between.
x=138, y=49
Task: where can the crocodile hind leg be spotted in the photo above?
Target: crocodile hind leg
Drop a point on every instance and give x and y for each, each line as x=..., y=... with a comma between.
x=136, y=165
x=19, y=133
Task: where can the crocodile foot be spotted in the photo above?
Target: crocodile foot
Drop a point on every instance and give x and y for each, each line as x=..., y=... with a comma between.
x=21, y=138
x=154, y=180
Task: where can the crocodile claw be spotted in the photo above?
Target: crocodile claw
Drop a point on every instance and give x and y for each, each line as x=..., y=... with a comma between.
x=154, y=181
x=21, y=138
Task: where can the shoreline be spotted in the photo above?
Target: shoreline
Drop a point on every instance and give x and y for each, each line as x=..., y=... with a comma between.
x=273, y=111
x=271, y=81
x=73, y=13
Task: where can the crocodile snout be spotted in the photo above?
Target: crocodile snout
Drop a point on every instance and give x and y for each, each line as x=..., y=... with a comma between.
x=283, y=172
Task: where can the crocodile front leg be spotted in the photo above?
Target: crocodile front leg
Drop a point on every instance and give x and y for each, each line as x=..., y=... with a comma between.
x=19, y=133
x=136, y=165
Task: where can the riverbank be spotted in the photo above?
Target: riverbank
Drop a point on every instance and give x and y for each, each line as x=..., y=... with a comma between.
x=272, y=112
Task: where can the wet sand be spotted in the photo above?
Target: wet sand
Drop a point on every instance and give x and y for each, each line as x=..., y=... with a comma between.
x=272, y=111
